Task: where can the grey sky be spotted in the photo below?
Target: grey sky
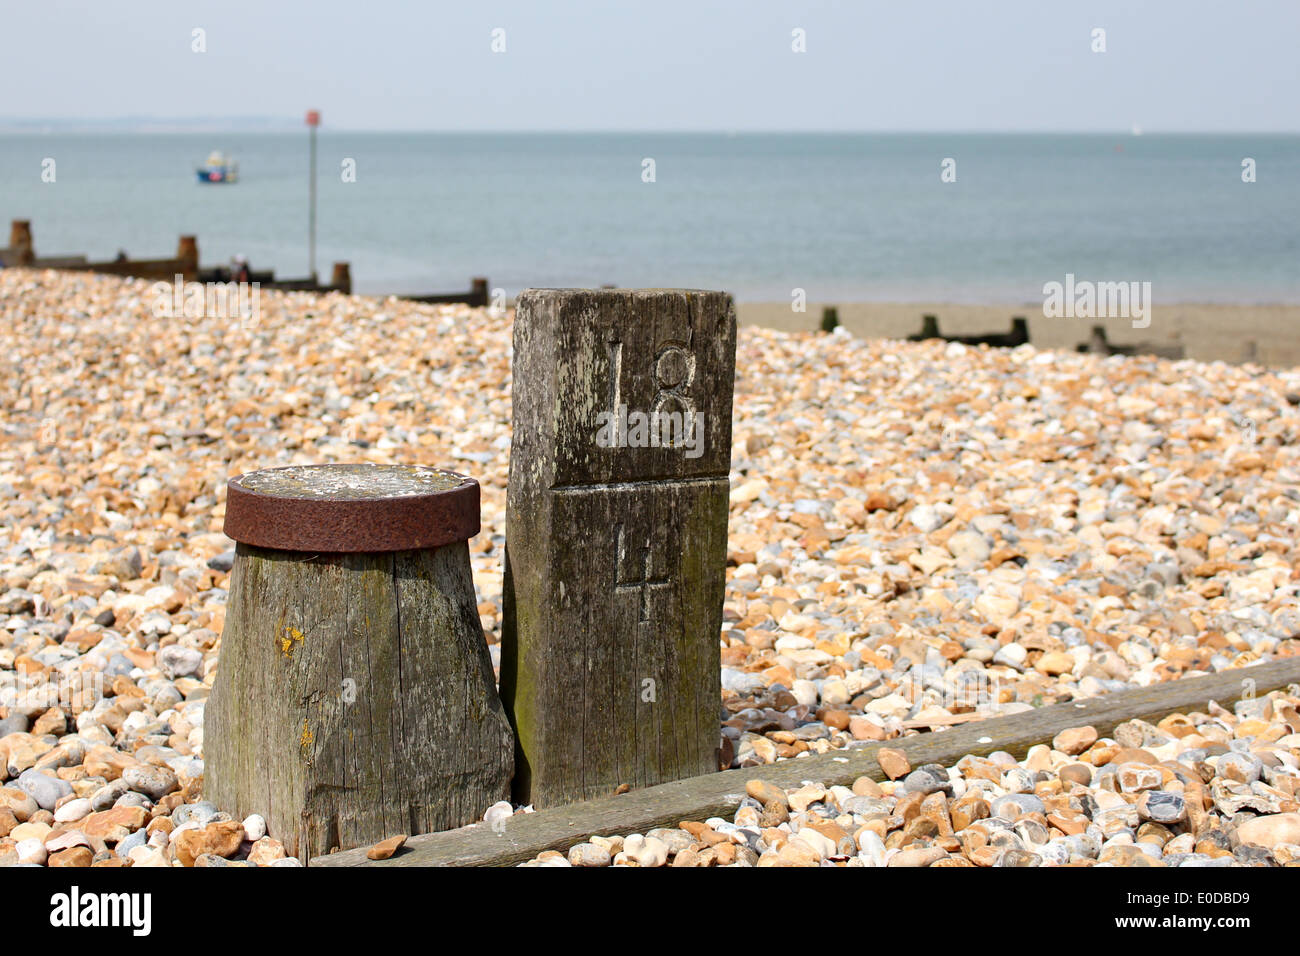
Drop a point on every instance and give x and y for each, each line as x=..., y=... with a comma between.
x=670, y=64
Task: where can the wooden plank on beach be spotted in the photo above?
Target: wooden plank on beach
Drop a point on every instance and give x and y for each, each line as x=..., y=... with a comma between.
x=523, y=836
x=949, y=721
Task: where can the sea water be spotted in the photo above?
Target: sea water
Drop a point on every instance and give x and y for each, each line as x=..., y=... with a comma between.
x=839, y=216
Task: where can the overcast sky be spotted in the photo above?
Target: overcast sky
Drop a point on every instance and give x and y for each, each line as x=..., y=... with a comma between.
x=1183, y=65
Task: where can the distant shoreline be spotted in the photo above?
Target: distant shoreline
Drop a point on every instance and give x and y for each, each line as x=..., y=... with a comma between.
x=291, y=124
x=1208, y=332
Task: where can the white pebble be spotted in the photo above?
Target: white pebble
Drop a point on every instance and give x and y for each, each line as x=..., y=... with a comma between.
x=254, y=827
x=31, y=850
x=73, y=810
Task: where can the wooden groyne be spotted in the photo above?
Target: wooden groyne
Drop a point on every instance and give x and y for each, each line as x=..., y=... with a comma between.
x=476, y=296
x=1099, y=344
x=21, y=252
x=1018, y=335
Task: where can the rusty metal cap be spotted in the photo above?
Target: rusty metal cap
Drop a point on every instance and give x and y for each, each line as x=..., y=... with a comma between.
x=351, y=508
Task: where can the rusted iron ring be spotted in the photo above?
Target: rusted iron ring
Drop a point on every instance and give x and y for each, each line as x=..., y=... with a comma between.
x=351, y=508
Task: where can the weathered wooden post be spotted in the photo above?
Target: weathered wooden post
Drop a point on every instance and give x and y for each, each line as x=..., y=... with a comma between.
x=341, y=280
x=354, y=697
x=616, y=529
x=1096, y=343
x=20, y=242
x=478, y=292
x=187, y=256
x=1019, y=334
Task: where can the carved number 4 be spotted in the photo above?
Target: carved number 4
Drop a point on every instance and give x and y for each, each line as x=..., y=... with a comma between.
x=644, y=582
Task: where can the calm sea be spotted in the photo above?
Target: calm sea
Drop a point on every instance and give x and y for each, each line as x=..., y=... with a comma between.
x=841, y=216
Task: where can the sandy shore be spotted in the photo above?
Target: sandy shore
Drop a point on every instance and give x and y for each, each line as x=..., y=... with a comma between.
x=1231, y=333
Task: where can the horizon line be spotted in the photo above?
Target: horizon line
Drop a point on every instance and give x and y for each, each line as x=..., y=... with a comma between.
x=141, y=125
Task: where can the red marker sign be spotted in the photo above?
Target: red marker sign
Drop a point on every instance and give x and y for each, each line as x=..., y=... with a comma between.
x=313, y=117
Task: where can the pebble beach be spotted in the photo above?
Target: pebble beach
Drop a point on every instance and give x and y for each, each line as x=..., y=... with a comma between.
x=921, y=534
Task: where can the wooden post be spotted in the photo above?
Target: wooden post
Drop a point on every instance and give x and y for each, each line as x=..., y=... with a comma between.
x=354, y=697
x=20, y=242
x=341, y=280
x=1097, y=343
x=830, y=318
x=478, y=292
x=187, y=252
x=616, y=528
x=1019, y=331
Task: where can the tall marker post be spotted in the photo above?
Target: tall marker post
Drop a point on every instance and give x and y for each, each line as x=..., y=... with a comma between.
x=313, y=121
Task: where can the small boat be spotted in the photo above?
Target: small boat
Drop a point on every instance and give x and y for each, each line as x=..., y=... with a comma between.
x=218, y=169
